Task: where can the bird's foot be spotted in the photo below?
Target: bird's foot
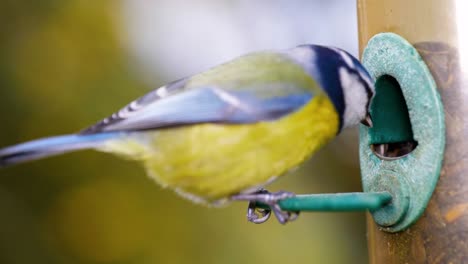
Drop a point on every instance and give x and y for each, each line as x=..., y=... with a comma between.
x=259, y=214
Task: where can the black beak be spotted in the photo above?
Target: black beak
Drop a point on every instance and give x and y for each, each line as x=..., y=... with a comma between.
x=367, y=121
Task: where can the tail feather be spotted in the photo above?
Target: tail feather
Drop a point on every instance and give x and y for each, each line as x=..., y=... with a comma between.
x=50, y=146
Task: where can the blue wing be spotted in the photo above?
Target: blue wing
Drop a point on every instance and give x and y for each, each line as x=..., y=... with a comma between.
x=204, y=105
x=260, y=87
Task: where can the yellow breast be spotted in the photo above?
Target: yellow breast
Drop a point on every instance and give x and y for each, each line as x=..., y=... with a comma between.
x=214, y=161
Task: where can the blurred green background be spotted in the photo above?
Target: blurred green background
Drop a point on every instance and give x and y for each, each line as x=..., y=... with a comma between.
x=66, y=64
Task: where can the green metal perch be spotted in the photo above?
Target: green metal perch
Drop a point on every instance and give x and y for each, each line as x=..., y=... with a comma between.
x=332, y=202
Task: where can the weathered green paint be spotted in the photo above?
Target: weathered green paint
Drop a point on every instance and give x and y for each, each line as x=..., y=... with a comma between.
x=412, y=178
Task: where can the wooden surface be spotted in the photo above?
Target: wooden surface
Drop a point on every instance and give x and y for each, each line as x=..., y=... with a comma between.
x=441, y=234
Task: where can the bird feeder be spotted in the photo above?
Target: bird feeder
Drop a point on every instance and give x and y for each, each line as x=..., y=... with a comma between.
x=403, y=152
x=435, y=31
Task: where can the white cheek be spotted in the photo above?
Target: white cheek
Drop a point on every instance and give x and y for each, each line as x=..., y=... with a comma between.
x=355, y=98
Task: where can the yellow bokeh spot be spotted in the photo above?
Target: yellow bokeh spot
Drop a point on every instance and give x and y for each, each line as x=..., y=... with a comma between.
x=103, y=221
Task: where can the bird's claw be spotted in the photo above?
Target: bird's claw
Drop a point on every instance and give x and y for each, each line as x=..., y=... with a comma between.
x=258, y=215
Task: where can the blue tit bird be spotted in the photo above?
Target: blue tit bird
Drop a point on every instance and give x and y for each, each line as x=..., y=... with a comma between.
x=222, y=134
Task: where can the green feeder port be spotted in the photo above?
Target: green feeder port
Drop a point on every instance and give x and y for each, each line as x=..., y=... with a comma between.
x=391, y=136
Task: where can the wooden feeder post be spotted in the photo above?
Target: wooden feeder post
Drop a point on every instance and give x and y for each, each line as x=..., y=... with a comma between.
x=439, y=31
